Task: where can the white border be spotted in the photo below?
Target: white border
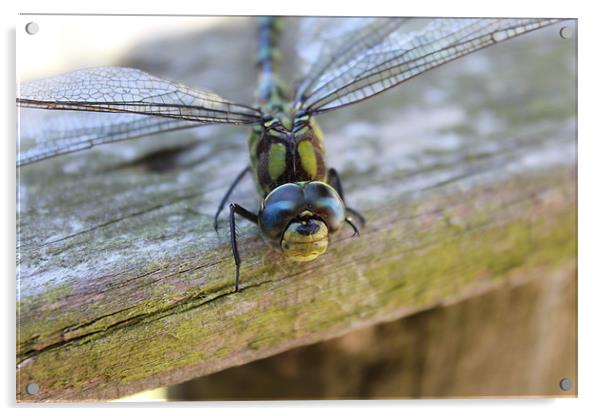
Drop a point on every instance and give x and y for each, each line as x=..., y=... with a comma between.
x=590, y=208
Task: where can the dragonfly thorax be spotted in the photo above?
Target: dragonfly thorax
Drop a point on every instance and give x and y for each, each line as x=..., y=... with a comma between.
x=286, y=148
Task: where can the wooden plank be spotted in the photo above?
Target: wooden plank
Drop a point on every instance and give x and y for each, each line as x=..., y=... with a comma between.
x=466, y=179
x=405, y=359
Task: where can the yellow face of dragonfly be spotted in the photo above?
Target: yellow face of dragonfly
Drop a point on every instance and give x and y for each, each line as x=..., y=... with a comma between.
x=305, y=239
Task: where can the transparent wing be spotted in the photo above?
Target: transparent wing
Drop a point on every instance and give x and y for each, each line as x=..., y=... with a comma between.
x=391, y=53
x=65, y=132
x=150, y=105
x=324, y=43
x=128, y=90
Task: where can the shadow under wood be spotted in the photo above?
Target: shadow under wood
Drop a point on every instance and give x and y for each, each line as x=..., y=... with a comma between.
x=164, y=160
x=512, y=341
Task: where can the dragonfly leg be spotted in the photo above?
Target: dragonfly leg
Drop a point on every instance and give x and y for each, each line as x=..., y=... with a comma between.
x=227, y=195
x=356, y=232
x=334, y=179
x=248, y=215
x=357, y=215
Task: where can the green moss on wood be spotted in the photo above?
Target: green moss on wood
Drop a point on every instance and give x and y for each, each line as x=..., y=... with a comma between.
x=419, y=262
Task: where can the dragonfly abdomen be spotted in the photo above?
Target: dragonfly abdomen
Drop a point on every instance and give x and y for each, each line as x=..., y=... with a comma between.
x=271, y=91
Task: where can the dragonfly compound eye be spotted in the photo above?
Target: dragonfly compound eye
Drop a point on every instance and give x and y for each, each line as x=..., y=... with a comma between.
x=325, y=203
x=279, y=208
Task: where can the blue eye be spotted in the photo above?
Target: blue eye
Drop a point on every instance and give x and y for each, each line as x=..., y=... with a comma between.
x=279, y=208
x=288, y=201
x=323, y=201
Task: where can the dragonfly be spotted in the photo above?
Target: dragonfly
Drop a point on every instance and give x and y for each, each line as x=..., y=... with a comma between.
x=302, y=200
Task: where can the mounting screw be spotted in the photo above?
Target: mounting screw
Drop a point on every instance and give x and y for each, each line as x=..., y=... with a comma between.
x=566, y=384
x=32, y=28
x=566, y=32
x=32, y=388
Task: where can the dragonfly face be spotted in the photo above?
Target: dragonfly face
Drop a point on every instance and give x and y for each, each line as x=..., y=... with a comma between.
x=298, y=217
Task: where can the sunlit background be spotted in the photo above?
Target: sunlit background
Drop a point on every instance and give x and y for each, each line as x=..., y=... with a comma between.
x=65, y=43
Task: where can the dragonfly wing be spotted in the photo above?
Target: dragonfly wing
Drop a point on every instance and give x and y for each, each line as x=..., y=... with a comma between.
x=394, y=57
x=66, y=132
x=147, y=105
x=329, y=42
x=128, y=90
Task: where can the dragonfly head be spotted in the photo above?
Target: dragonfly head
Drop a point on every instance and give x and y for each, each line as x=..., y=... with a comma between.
x=299, y=217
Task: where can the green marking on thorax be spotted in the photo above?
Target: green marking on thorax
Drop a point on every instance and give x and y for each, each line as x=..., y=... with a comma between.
x=317, y=133
x=308, y=158
x=277, y=160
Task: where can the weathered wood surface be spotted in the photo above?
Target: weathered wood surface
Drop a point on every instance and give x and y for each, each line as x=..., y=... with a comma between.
x=466, y=176
x=528, y=323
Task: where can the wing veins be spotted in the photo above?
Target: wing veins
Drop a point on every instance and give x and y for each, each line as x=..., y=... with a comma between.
x=373, y=71
x=372, y=81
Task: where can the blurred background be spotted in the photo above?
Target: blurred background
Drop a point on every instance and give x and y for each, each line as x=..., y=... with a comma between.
x=516, y=340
